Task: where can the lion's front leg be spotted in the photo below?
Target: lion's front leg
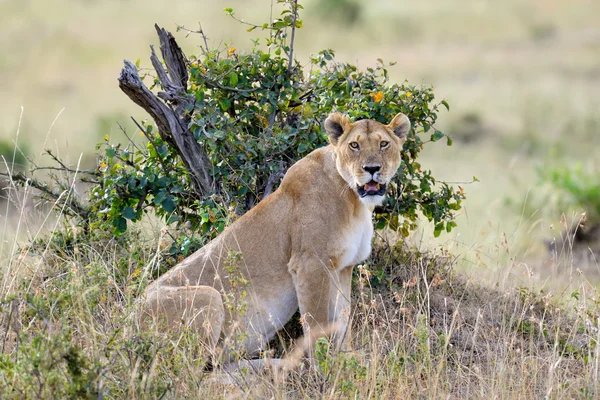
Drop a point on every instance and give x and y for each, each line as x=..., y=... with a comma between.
x=339, y=308
x=312, y=282
x=324, y=301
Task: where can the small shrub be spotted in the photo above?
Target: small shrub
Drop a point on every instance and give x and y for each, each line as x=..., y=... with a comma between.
x=344, y=12
x=576, y=188
x=12, y=156
x=255, y=114
x=470, y=128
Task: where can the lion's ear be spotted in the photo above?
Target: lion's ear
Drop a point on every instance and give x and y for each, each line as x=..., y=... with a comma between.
x=400, y=125
x=335, y=125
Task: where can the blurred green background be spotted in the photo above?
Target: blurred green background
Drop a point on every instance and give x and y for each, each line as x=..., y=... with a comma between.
x=522, y=79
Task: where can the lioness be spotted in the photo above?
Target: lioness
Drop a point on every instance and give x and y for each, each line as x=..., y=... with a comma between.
x=298, y=246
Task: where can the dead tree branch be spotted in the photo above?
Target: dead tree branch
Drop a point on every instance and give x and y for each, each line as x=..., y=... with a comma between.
x=72, y=206
x=170, y=108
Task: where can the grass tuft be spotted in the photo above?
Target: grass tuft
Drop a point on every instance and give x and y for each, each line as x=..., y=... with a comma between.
x=68, y=328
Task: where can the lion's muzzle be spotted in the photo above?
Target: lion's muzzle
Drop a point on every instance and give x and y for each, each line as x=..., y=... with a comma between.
x=371, y=188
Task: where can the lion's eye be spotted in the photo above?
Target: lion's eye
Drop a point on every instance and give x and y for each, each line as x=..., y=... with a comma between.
x=354, y=146
x=384, y=144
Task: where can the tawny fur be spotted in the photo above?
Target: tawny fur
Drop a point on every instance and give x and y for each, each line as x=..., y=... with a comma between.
x=298, y=245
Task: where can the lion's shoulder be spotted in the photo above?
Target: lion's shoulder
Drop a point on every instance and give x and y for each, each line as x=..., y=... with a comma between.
x=318, y=160
x=316, y=170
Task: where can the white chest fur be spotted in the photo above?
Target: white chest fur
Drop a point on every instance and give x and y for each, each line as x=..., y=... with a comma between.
x=354, y=243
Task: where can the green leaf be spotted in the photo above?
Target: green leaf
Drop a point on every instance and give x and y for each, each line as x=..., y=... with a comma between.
x=224, y=103
x=448, y=140
x=437, y=136
x=173, y=218
x=128, y=213
x=380, y=223
x=168, y=204
x=110, y=152
x=445, y=103
x=233, y=79
x=575, y=295
x=120, y=224
x=438, y=229
x=160, y=197
x=162, y=150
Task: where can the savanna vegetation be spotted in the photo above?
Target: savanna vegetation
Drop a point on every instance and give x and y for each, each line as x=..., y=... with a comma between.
x=517, y=315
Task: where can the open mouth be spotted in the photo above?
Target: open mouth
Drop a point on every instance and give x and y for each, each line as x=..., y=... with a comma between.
x=371, y=188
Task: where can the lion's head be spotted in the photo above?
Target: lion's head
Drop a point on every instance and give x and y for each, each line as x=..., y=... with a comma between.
x=368, y=152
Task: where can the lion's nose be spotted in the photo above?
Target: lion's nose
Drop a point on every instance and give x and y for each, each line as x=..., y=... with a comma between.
x=372, y=168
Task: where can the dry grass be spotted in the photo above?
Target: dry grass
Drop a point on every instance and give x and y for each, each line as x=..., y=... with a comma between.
x=68, y=328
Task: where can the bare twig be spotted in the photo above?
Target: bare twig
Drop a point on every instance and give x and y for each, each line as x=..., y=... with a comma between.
x=66, y=169
x=72, y=206
x=204, y=38
x=160, y=159
x=127, y=136
x=200, y=31
x=294, y=6
x=56, y=159
x=241, y=21
x=291, y=55
x=216, y=85
x=62, y=166
x=273, y=178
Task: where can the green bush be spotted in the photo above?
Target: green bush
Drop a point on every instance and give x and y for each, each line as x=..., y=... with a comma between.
x=575, y=188
x=344, y=12
x=256, y=113
x=11, y=156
